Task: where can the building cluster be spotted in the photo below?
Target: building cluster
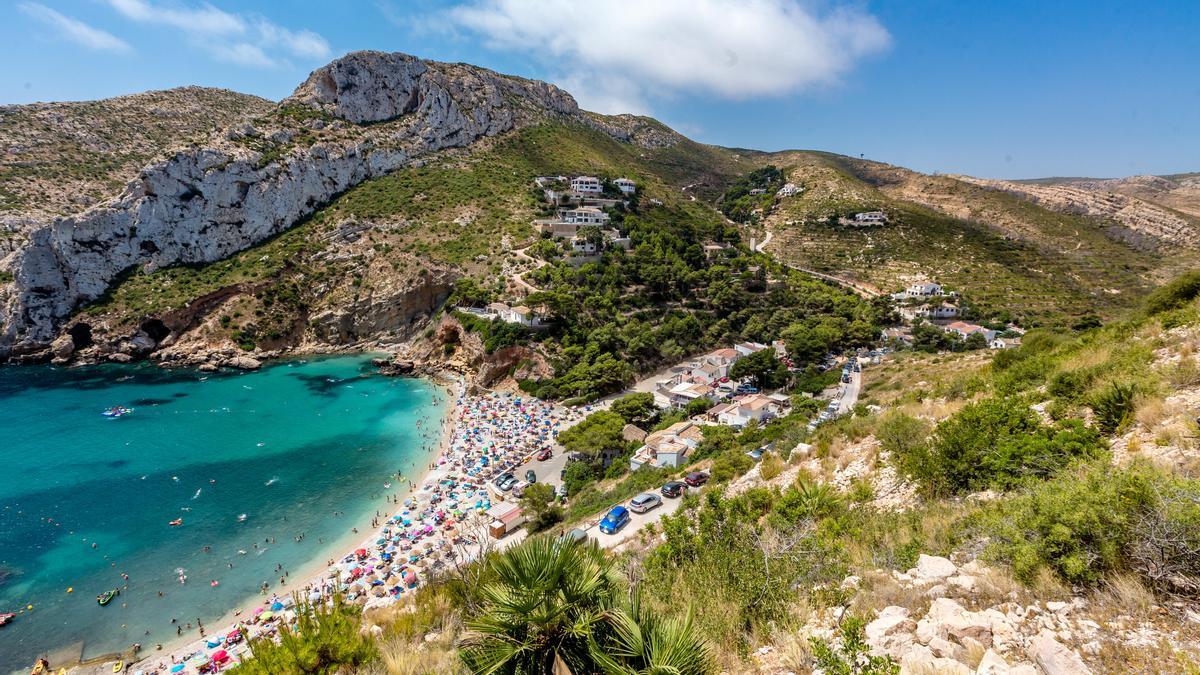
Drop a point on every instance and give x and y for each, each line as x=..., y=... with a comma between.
x=582, y=205
x=707, y=377
x=927, y=301
x=519, y=314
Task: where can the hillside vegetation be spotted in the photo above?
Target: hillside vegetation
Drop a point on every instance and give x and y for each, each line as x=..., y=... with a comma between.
x=62, y=157
x=1008, y=254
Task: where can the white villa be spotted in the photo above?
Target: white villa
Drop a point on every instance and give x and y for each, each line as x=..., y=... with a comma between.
x=586, y=185
x=583, y=215
x=789, y=190
x=625, y=185
x=668, y=447
x=966, y=330
x=739, y=412
x=926, y=289
x=942, y=311
x=520, y=314
x=870, y=218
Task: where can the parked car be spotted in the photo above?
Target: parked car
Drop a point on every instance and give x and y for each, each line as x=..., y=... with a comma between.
x=644, y=502
x=509, y=484
x=561, y=491
x=674, y=489
x=519, y=490
x=530, y=476
x=616, y=518
x=545, y=454
x=502, y=479
x=696, y=478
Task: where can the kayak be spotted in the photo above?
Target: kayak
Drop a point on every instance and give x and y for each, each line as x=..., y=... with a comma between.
x=117, y=411
x=107, y=597
x=176, y=523
x=7, y=618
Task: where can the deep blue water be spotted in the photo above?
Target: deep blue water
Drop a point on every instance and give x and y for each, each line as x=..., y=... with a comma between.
x=85, y=498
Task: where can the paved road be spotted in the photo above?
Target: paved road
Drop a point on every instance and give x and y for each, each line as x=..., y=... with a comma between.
x=637, y=521
x=850, y=395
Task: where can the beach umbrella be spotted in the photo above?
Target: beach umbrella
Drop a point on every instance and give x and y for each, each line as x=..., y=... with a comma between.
x=276, y=606
x=220, y=655
x=177, y=667
x=266, y=616
x=259, y=610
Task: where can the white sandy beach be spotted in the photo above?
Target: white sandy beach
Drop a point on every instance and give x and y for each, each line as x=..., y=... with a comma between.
x=432, y=524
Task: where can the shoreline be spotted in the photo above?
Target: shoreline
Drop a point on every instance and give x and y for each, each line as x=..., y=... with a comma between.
x=316, y=571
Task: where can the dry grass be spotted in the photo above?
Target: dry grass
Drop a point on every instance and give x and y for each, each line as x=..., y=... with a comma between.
x=1163, y=658
x=401, y=657
x=771, y=466
x=1124, y=594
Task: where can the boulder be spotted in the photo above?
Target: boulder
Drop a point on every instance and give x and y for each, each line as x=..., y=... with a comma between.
x=63, y=347
x=120, y=358
x=948, y=620
x=932, y=567
x=992, y=664
x=244, y=363
x=1054, y=658
x=890, y=621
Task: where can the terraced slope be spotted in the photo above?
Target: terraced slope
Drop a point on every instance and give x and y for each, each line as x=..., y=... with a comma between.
x=1007, y=251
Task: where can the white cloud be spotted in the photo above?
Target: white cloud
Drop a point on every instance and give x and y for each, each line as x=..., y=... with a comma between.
x=623, y=52
x=233, y=38
x=76, y=31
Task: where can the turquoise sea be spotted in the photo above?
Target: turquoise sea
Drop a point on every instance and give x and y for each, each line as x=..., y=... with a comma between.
x=85, y=499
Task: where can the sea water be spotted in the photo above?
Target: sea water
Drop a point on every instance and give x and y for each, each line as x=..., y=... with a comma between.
x=266, y=469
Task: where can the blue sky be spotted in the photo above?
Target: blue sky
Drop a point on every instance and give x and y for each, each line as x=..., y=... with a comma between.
x=1007, y=89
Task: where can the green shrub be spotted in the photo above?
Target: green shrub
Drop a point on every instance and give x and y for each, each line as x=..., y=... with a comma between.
x=1174, y=294
x=1070, y=385
x=1113, y=406
x=327, y=639
x=1077, y=525
x=853, y=657
x=996, y=443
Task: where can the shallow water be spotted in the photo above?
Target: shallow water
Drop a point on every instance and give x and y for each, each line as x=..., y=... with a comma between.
x=85, y=498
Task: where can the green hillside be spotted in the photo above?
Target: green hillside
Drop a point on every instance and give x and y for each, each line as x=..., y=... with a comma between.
x=1006, y=254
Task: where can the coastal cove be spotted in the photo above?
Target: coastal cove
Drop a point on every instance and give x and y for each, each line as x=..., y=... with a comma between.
x=269, y=471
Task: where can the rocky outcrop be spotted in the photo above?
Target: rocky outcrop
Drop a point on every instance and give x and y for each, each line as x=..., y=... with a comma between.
x=388, y=312
x=205, y=204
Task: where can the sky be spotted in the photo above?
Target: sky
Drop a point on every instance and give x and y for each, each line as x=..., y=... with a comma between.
x=1012, y=89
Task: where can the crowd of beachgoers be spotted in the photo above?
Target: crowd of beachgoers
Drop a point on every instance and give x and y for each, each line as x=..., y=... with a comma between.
x=429, y=526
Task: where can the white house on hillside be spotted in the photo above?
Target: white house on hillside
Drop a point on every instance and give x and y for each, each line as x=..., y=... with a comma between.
x=586, y=184
x=870, y=218
x=669, y=447
x=925, y=289
x=741, y=410
x=625, y=185
x=584, y=215
x=789, y=190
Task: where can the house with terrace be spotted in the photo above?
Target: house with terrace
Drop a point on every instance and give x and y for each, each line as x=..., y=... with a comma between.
x=668, y=448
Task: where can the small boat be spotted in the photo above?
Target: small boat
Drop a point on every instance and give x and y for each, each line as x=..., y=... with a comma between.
x=117, y=411
x=6, y=618
x=176, y=523
x=107, y=596
x=242, y=518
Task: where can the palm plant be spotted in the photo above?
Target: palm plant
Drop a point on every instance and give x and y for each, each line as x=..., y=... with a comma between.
x=546, y=600
x=639, y=642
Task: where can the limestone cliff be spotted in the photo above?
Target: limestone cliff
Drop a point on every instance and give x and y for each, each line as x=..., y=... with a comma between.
x=359, y=117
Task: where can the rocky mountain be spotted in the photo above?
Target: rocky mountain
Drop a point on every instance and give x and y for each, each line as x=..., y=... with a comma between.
x=345, y=213
x=359, y=117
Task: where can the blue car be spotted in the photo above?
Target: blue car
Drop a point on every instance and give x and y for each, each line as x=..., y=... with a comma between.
x=617, y=518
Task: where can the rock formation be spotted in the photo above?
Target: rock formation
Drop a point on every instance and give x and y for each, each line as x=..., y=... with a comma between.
x=251, y=183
